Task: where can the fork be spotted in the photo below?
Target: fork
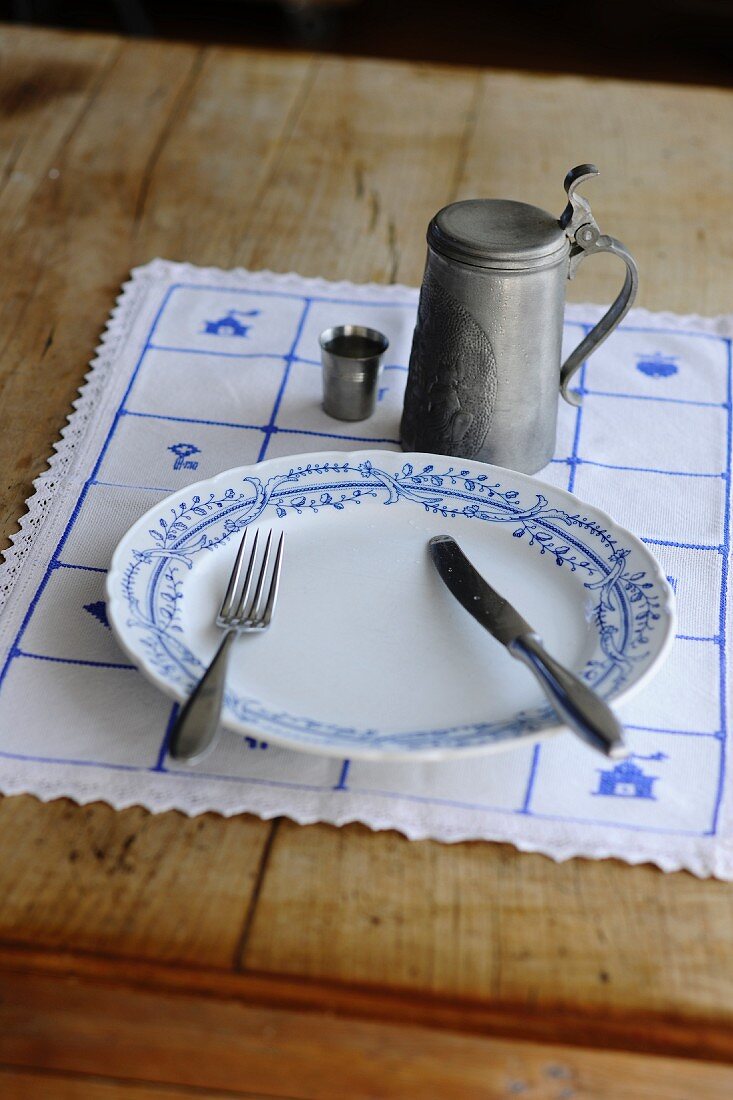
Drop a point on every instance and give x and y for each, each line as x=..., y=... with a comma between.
x=197, y=724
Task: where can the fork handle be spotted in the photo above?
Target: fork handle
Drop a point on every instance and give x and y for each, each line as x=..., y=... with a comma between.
x=196, y=725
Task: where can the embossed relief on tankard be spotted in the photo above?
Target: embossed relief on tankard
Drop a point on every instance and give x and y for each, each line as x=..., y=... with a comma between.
x=452, y=379
x=485, y=367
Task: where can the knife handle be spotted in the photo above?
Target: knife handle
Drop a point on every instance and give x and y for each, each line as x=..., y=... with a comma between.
x=576, y=704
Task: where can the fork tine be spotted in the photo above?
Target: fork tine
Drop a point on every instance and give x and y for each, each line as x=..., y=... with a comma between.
x=226, y=605
x=252, y=613
x=248, y=579
x=272, y=594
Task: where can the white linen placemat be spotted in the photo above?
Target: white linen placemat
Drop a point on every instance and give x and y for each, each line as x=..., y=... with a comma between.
x=202, y=370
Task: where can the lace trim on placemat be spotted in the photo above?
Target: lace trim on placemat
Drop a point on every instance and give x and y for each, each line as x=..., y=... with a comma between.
x=162, y=794
x=60, y=464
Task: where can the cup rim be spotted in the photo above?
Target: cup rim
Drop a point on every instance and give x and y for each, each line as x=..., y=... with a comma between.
x=363, y=331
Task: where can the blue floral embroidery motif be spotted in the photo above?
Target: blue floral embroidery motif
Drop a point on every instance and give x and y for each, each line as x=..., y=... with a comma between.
x=183, y=452
x=625, y=612
x=657, y=365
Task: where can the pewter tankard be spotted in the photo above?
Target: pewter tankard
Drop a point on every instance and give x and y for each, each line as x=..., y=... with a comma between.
x=485, y=365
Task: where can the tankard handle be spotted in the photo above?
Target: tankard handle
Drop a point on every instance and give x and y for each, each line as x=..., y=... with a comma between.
x=586, y=239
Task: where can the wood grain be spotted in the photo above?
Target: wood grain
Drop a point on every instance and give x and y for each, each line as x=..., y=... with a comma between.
x=111, y=153
x=666, y=182
x=201, y=194
x=600, y=1027
x=29, y=1084
x=139, y=1035
x=521, y=930
x=166, y=887
x=70, y=245
x=44, y=92
x=357, y=180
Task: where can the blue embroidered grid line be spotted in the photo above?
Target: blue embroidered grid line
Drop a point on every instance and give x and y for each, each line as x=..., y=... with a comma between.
x=332, y=435
x=343, y=776
x=270, y=429
x=214, y=354
x=718, y=548
x=716, y=734
x=73, y=565
x=572, y=461
x=723, y=617
x=654, y=397
x=128, y=485
x=653, y=330
x=194, y=420
x=160, y=762
x=530, y=780
x=73, y=661
x=283, y=384
x=409, y=302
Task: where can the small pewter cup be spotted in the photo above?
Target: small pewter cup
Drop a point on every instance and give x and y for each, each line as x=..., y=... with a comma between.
x=352, y=362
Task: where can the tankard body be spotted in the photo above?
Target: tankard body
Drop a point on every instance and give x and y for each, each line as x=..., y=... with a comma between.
x=485, y=368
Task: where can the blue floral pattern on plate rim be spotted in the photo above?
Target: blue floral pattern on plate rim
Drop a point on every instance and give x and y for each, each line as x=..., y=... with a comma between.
x=633, y=612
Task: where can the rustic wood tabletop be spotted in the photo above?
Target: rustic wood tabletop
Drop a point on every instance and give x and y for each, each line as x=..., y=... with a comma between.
x=161, y=956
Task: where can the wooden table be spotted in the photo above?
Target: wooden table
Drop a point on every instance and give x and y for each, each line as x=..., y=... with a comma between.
x=159, y=956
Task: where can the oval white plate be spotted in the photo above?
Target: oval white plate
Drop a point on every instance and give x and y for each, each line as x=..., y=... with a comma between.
x=368, y=654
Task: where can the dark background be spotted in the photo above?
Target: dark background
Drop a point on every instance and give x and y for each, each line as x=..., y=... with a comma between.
x=671, y=40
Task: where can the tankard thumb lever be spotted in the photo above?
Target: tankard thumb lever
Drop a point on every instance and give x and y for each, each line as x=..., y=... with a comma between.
x=586, y=239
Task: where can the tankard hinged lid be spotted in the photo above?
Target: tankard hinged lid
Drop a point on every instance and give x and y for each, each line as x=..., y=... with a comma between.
x=498, y=233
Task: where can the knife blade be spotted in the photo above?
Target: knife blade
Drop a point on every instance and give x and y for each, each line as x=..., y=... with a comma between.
x=574, y=702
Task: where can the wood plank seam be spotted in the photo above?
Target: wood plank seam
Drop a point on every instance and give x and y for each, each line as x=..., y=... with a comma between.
x=13, y=156
x=241, y=947
x=178, y=108
x=133, y=1085
x=466, y=139
x=89, y=1028
x=291, y=121
x=654, y=1034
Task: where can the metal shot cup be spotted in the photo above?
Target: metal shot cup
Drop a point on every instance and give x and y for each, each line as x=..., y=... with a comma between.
x=352, y=362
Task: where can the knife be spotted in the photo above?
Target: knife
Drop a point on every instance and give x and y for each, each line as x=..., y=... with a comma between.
x=576, y=705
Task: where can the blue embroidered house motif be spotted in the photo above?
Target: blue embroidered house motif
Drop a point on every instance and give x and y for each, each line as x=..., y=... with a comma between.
x=229, y=325
x=627, y=780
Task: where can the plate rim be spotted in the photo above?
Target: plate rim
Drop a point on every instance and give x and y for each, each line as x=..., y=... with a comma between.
x=433, y=753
